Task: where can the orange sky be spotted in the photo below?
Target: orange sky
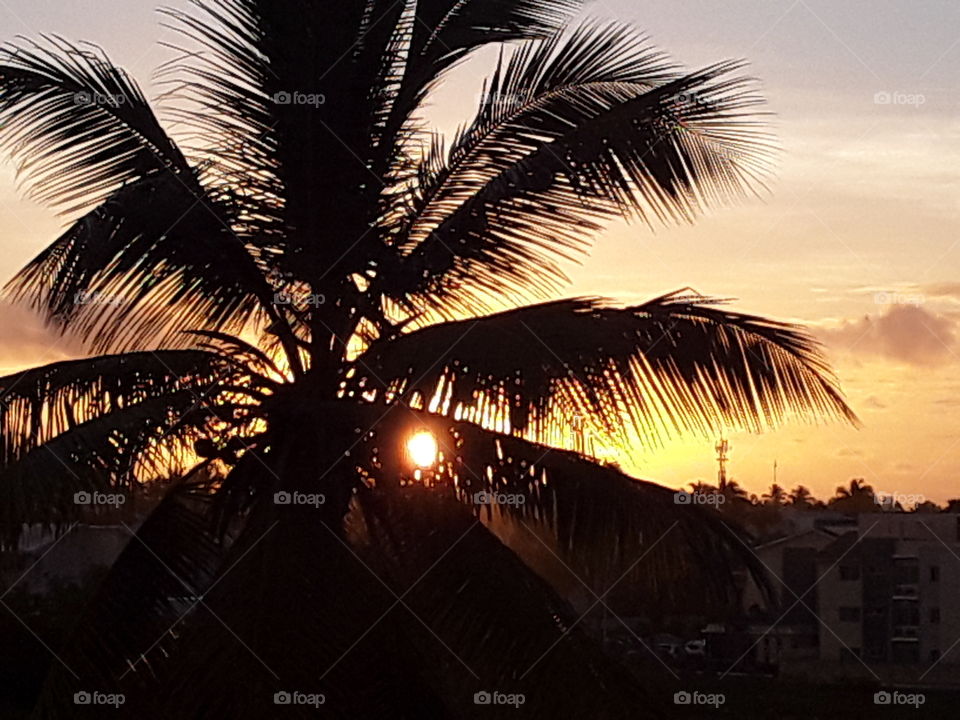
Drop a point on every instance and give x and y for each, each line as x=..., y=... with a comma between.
x=857, y=238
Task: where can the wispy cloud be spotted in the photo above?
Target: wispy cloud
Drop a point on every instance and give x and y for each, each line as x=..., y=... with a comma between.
x=904, y=333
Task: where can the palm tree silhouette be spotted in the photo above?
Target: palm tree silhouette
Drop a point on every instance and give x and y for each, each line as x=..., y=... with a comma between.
x=858, y=496
x=801, y=497
x=776, y=496
x=307, y=278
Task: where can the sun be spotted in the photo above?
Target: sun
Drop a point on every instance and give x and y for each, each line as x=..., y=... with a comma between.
x=422, y=448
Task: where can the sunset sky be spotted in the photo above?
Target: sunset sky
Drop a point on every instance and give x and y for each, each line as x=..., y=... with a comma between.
x=857, y=238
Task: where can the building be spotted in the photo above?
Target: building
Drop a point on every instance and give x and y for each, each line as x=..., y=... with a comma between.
x=889, y=592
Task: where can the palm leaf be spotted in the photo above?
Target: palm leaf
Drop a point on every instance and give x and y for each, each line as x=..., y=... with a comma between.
x=40, y=403
x=105, y=454
x=492, y=623
x=304, y=168
x=79, y=125
x=169, y=561
x=102, y=424
x=597, y=523
x=151, y=261
x=575, y=130
x=679, y=362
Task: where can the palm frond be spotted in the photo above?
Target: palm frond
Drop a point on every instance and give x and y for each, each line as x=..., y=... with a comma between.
x=479, y=617
x=105, y=454
x=101, y=424
x=574, y=131
x=576, y=522
x=677, y=363
x=40, y=403
x=289, y=93
x=79, y=126
x=153, y=260
x=440, y=33
x=168, y=562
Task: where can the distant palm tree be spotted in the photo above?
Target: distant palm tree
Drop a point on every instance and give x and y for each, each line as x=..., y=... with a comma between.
x=858, y=496
x=776, y=496
x=801, y=497
x=304, y=282
x=732, y=490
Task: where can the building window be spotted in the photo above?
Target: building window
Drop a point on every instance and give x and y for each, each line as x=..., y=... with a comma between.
x=934, y=573
x=934, y=616
x=849, y=572
x=849, y=614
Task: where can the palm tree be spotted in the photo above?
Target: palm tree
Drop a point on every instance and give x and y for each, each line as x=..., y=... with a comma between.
x=733, y=491
x=858, y=496
x=801, y=497
x=307, y=278
x=776, y=496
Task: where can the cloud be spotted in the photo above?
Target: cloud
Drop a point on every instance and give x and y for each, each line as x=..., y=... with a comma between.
x=905, y=333
x=25, y=341
x=949, y=290
x=874, y=403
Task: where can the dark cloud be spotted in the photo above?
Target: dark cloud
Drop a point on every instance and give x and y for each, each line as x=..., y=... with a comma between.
x=874, y=403
x=907, y=333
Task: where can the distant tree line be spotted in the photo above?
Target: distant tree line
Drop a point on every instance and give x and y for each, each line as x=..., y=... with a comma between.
x=762, y=512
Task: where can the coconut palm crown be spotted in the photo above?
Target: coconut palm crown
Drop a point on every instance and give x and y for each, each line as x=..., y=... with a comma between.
x=308, y=275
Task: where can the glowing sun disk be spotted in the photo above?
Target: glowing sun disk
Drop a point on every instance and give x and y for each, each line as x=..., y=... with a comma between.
x=422, y=448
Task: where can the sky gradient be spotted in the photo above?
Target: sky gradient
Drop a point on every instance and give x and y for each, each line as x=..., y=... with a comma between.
x=857, y=237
